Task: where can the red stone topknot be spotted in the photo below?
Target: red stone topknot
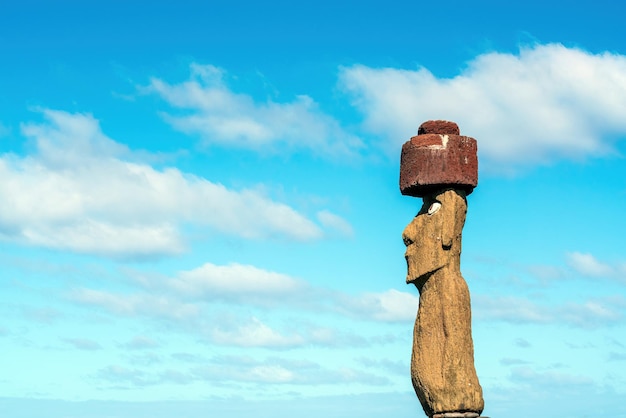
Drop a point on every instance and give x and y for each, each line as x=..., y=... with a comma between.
x=438, y=158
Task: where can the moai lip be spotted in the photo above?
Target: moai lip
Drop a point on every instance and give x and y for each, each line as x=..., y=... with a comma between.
x=438, y=157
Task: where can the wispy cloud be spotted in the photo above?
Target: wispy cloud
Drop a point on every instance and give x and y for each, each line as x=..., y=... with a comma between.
x=549, y=378
x=237, y=282
x=82, y=191
x=335, y=222
x=253, y=333
x=544, y=103
x=328, y=336
x=251, y=286
x=209, y=108
x=276, y=370
x=389, y=306
x=237, y=305
x=137, y=304
x=140, y=342
x=144, y=358
x=509, y=309
x=587, y=265
x=509, y=361
x=43, y=315
x=592, y=313
x=83, y=344
x=522, y=343
x=125, y=376
x=391, y=366
x=546, y=273
x=241, y=370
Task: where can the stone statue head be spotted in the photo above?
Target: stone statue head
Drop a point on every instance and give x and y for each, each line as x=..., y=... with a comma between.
x=433, y=238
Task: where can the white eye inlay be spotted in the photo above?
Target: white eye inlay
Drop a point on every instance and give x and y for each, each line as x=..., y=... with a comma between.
x=434, y=208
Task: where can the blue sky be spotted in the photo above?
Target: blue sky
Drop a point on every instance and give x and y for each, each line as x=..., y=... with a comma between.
x=201, y=210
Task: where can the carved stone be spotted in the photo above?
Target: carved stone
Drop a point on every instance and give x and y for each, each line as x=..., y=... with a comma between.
x=431, y=160
x=442, y=363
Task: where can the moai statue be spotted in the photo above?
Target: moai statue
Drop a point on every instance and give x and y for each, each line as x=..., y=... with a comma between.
x=441, y=167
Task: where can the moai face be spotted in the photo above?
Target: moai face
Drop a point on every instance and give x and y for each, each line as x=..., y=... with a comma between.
x=433, y=238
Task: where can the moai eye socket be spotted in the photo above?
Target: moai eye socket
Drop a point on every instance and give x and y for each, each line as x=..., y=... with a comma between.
x=434, y=208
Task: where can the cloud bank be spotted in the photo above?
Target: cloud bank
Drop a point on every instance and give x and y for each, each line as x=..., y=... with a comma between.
x=545, y=103
x=84, y=192
x=587, y=265
x=206, y=106
x=242, y=306
x=590, y=314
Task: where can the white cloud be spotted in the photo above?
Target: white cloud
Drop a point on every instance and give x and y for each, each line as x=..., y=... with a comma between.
x=242, y=370
x=277, y=370
x=81, y=191
x=42, y=315
x=120, y=375
x=548, y=378
x=522, y=343
x=221, y=304
x=392, y=366
x=545, y=103
x=396, y=306
x=587, y=265
x=332, y=221
x=333, y=337
x=282, y=371
x=193, y=310
x=509, y=309
x=508, y=361
x=546, y=273
x=237, y=284
x=245, y=284
x=140, y=342
x=254, y=333
x=271, y=374
x=229, y=368
x=389, y=306
x=248, y=285
x=231, y=119
x=593, y=313
x=160, y=306
x=83, y=344
x=234, y=280
x=143, y=359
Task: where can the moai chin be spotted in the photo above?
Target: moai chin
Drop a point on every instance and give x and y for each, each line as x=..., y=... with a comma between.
x=441, y=167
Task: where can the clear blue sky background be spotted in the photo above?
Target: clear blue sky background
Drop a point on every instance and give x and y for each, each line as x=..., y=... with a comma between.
x=200, y=209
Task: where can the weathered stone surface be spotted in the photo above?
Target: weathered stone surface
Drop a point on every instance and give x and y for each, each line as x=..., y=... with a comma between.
x=434, y=160
x=438, y=127
x=457, y=415
x=442, y=364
